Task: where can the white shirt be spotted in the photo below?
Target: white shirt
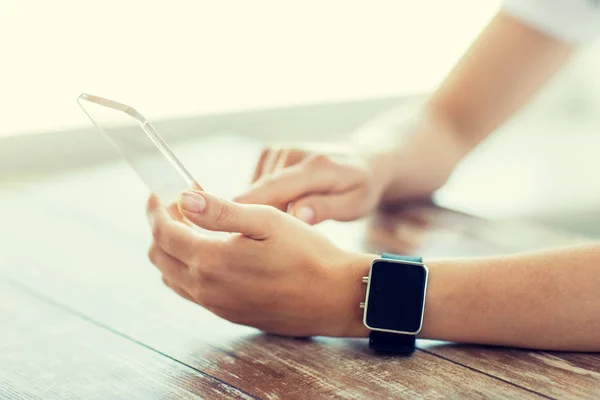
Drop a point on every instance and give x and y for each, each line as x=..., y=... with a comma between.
x=572, y=21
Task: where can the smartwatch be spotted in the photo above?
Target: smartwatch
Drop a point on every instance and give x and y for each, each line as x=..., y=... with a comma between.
x=395, y=301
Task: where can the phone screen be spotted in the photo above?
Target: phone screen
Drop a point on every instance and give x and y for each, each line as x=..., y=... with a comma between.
x=141, y=146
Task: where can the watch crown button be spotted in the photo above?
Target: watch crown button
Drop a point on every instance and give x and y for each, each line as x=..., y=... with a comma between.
x=365, y=279
x=362, y=304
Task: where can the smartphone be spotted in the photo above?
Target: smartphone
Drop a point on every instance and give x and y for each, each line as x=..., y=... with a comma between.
x=140, y=145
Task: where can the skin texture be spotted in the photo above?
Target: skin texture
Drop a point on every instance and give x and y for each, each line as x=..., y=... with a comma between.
x=279, y=274
x=546, y=300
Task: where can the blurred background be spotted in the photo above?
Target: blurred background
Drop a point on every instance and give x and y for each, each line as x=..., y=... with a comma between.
x=277, y=71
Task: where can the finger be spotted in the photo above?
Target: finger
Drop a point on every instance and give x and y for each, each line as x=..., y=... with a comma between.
x=294, y=156
x=178, y=289
x=292, y=183
x=174, y=237
x=173, y=210
x=281, y=161
x=259, y=166
x=170, y=267
x=215, y=214
x=152, y=204
x=270, y=162
x=345, y=206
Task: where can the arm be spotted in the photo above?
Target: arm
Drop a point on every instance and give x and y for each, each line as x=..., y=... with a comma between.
x=400, y=156
x=281, y=276
x=501, y=71
x=545, y=300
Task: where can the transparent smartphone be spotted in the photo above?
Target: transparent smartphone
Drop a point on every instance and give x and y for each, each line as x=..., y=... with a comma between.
x=141, y=146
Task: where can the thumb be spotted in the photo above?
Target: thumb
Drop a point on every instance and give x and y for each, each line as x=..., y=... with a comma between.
x=215, y=214
x=317, y=208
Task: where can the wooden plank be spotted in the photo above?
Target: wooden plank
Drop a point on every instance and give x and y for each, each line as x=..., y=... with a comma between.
x=46, y=352
x=103, y=274
x=561, y=375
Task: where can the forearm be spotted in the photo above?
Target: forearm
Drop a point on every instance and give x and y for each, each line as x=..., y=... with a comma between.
x=504, y=67
x=412, y=151
x=507, y=64
x=545, y=300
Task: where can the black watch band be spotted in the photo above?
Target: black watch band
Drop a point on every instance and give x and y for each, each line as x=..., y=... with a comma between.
x=386, y=342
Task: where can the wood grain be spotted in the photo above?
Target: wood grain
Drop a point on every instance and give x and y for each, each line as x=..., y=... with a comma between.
x=101, y=274
x=554, y=374
x=48, y=353
x=78, y=242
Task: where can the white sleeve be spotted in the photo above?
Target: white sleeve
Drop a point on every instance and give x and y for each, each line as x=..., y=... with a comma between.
x=572, y=21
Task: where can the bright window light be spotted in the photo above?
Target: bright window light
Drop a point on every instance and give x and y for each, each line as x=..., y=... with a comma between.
x=181, y=58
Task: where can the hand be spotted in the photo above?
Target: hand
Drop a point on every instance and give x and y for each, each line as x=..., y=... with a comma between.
x=392, y=159
x=315, y=186
x=274, y=273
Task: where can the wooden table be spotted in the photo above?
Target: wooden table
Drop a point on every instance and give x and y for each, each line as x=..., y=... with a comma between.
x=84, y=314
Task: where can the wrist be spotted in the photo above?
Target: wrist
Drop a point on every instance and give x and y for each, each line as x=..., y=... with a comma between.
x=410, y=155
x=348, y=313
x=383, y=165
x=426, y=154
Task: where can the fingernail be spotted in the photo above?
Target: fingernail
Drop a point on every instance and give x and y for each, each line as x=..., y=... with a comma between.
x=192, y=202
x=305, y=213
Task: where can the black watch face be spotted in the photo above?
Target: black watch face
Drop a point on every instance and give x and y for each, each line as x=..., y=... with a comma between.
x=396, y=296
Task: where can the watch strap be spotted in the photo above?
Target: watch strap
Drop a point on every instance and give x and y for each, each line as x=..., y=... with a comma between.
x=390, y=256
x=386, y=342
